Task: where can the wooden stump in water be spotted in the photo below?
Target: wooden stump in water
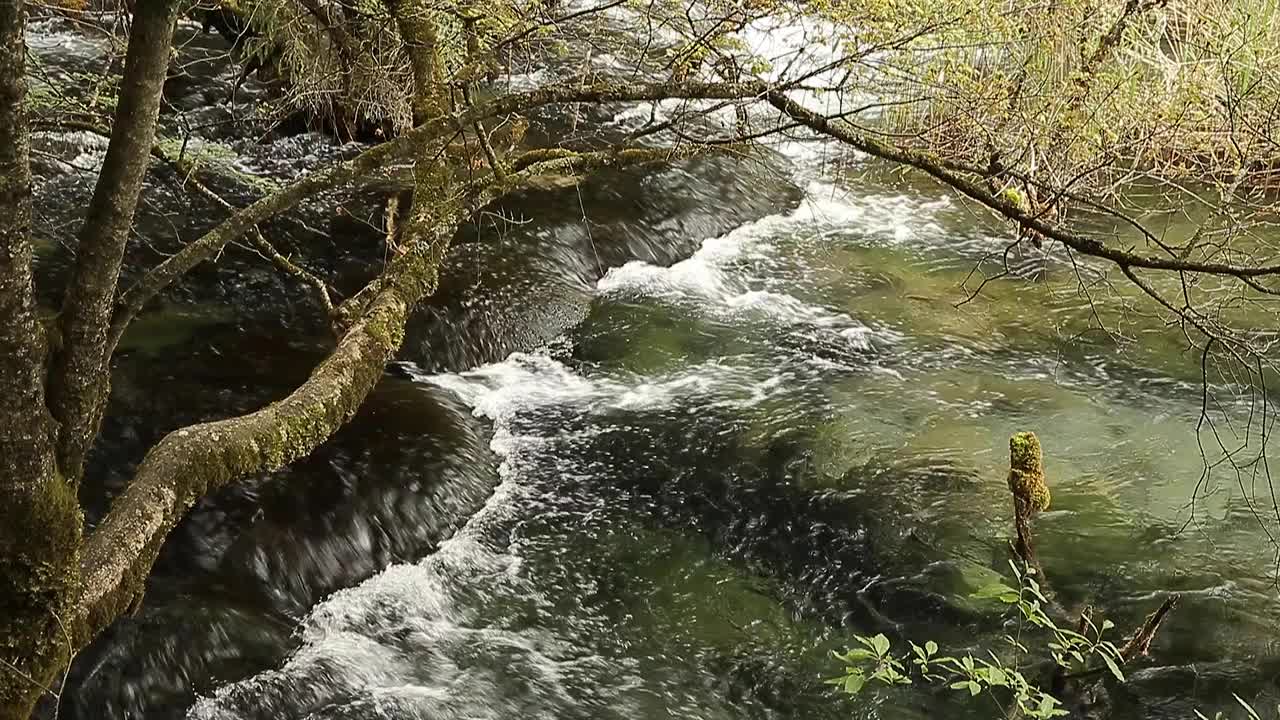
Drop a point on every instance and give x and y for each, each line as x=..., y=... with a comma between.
x=1030, y=492
x=1083, y=691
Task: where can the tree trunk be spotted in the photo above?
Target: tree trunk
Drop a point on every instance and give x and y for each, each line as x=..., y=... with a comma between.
x=81, y=374
x=416, y=23
x=39, y=516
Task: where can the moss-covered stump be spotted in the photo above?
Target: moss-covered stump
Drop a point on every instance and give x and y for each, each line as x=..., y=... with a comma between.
x=1030, y=492
x=1026, y=472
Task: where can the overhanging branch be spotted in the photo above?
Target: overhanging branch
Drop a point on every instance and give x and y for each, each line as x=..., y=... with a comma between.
x=970, y=186
x=194, y=461
x=210, y=244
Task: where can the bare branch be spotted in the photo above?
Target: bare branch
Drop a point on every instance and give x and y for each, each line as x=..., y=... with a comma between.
x=970, y=186
x=209, y=245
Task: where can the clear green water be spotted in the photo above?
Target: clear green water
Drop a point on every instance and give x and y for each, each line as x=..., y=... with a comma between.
x=737, y=462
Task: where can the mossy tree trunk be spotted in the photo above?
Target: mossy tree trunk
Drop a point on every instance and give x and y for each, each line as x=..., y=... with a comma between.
x=52, y=405
x=39, y=517
x=81, y=372
x=1030, y=492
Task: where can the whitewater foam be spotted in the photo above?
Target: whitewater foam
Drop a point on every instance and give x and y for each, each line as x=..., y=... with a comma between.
x=717, y=279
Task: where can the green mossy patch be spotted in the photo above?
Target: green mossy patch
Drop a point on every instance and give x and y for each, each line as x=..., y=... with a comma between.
x=1026, y=471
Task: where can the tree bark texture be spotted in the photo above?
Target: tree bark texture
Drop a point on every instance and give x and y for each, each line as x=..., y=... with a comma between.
x=39, y=515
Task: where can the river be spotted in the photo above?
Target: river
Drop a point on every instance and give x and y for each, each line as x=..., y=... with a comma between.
x=654, y=453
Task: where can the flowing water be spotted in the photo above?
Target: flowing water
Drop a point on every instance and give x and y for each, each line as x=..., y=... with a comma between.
x=657, y=452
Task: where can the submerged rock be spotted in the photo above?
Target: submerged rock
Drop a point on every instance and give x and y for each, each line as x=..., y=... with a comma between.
x=153, y=665
x=702, y=470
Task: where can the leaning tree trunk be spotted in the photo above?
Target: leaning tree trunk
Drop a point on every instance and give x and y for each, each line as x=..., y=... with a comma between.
x=80, y=379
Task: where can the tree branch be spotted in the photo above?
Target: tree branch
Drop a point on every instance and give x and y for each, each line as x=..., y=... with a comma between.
x=194, y=461
x=971, y=187
x=210, y=244
x=264, y=246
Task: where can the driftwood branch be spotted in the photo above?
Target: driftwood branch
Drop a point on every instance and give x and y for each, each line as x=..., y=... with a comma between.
x=1030, y=497
x=1140, y=643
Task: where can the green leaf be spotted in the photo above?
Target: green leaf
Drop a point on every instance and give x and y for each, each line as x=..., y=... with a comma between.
x=1112, y=666
x=854, y=683
x=880, y=644
x=856, y=655
x=931, y=648
x=974, y=688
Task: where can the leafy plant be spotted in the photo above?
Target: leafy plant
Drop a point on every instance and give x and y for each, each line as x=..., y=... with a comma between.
x=1000, y=678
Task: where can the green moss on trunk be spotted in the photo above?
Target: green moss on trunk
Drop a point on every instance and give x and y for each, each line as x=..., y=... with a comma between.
x=40, y=535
